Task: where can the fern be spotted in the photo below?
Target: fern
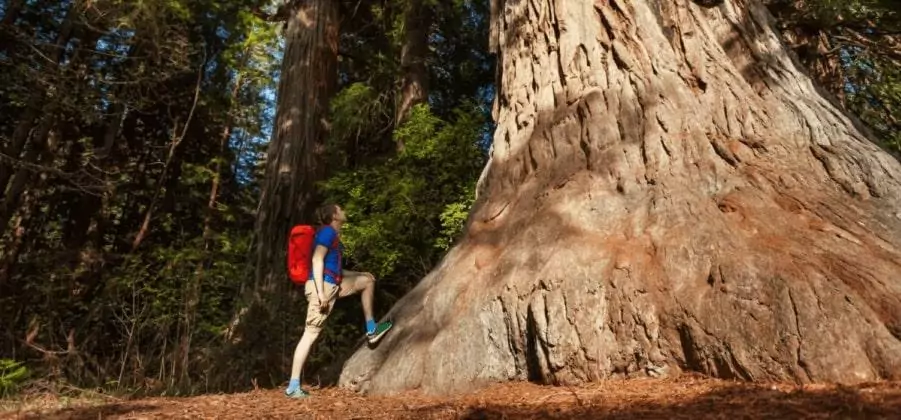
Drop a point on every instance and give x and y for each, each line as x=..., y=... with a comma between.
x=12, y=375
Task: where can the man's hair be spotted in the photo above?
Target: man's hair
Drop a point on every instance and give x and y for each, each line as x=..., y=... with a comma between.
x=326, y=213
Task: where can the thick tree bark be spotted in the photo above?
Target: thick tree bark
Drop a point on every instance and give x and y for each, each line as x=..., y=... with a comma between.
x=294, y=157
x=667, y=190
x=820, y=58
x=415, y=83
x=810, y=39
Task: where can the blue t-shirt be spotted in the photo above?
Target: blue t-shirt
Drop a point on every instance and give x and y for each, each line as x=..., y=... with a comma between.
x=326, y=236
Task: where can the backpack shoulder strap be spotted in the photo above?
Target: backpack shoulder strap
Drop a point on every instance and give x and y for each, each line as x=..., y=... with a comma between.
x=333, y=248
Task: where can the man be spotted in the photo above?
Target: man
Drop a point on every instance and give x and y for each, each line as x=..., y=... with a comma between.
x=325, y=286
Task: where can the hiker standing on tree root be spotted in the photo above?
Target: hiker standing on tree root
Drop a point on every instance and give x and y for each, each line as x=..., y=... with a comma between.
x=329, y=282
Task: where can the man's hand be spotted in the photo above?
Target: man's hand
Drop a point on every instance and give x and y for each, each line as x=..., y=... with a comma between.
x=323, y=299
x=318, y=278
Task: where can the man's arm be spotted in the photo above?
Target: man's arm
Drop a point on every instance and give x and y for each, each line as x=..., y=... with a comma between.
x=318, y=268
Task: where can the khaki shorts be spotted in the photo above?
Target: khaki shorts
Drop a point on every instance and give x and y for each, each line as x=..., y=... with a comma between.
x=353, y=282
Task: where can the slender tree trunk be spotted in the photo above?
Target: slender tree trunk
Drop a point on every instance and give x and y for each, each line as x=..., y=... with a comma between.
x=114, y=123
x=117, y=109
x=38, y=104
x=88, y=216
x=177, y=138
x=415, y=84
x=13, y=248
x=7, y=25
x=667, y=191
x=13, y=8
x=80, y=206
x=38, y=155
x=192, y=295
x=144, y=230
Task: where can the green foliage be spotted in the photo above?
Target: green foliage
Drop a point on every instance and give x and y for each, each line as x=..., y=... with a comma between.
x=116, y=100
x=13, y=375
x=831, y=11
x=453, y=219
x=151, y=289
x=356, y=109
x=129, y=70
x=406, y=210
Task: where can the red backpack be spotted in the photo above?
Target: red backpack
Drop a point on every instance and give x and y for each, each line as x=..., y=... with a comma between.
x=300, y=254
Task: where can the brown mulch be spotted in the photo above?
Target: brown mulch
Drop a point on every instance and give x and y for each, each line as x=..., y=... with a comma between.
x=681, y=398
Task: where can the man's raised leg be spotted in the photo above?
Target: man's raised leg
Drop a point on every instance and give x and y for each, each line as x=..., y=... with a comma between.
x=364, y=283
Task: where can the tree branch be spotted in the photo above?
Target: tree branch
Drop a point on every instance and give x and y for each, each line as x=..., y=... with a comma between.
x=176, y=140
x=280, y=15
x=889, y=51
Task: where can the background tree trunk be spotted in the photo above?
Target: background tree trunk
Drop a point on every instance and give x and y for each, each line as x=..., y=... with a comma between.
x=193, y=288
x=294, y=158
x=415, y=83
x=294, y=163
x=39, y=104
x=667, y=190
x=7, y=24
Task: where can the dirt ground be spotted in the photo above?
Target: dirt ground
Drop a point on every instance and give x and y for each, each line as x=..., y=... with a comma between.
x=681, y=398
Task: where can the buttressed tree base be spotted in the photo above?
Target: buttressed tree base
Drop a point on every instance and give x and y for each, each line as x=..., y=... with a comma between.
x=667, y=191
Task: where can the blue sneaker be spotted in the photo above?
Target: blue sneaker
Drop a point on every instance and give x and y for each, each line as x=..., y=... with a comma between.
x=380, y=329
x=296, y=393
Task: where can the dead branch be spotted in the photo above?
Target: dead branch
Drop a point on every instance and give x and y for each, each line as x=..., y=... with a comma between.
x=176, y=140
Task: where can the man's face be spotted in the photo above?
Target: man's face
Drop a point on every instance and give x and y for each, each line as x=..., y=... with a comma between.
x=339, y=215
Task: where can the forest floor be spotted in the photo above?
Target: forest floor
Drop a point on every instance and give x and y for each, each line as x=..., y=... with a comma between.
x=687, y=397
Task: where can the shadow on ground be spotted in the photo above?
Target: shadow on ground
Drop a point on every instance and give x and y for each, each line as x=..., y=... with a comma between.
x=733, y=403
x=126, y=409
x=685, y=398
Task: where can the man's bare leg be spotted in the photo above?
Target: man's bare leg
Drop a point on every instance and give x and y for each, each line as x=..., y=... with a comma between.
x=367, y=296
x=315, y=319
x=364, y=284
x=302, y=351
x=354, y=282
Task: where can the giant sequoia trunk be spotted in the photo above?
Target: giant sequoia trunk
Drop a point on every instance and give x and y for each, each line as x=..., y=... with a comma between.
x=667, y=191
